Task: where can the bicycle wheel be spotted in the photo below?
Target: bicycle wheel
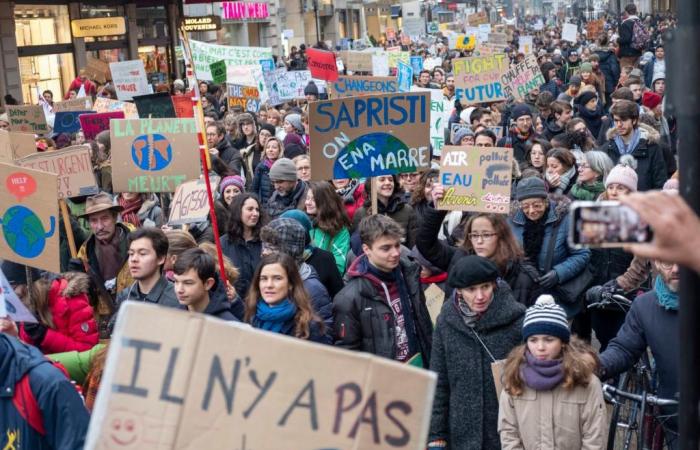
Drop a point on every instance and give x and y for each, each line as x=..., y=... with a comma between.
x=662, y=433
x=624, y=426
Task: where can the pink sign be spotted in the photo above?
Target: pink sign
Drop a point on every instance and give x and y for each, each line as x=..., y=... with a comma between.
x=92, y=124
x=244, y=10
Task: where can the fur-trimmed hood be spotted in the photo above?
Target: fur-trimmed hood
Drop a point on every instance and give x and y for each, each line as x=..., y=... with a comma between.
x=76, y=283
x=648, y=133
x=561, y=209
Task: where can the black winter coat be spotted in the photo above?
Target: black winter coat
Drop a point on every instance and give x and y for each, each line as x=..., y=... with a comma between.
x=245, y=256
x=518, y=145
x=230, y=155
x=364, y=321
x=465, y=407
x=324, y=264
x=651, y=167
x=610, y=67
x=625, y=39
x=444, y=256
x=262, y=185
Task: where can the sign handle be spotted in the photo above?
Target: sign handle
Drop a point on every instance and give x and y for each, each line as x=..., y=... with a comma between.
x=373, y=195
x=68, y=227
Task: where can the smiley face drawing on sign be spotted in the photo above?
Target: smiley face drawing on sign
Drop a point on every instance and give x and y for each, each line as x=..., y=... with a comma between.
x=151, y=152
x=125, y=429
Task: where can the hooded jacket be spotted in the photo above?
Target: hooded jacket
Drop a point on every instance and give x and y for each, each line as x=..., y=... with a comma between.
x=250, y=158
x=64, y=417
x=364, y=320
x=610, y=68
x=245, y=256
x=465, y=406
x=651, y=166
x=74, y=323
x=230, y=155
x=320, y=302
x=217, y=307
x=551, y=128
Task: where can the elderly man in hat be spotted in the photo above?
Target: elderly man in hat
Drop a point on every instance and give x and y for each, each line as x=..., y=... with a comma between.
x=290, y=192
x=104, y=253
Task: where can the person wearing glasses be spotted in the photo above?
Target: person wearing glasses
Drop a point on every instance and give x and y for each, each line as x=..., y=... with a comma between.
x=591, y=174
x=537, y=220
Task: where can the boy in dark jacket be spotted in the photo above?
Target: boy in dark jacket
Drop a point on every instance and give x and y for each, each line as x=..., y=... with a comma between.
x=60, y=419
x=381, y=310
x=628, y=54
x=195, y=278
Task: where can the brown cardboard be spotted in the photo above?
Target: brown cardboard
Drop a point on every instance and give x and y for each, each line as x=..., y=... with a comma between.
x=190, y=203
x=521, y=78
x=138, y=167
x=32, y=194
x=27, y=119
x=357, y=61
x=106, y=105
x=478, y=78
x=76, y=104
x=206, y=383
x=15, y=145
x=399, y=144
x=434, y=299
x=478, y=18
x=476, y=179
x=73, y=167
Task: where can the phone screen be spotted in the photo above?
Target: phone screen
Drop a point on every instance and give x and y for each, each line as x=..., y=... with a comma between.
x=606, y=224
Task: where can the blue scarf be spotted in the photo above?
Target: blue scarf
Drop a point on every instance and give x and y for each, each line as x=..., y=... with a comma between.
x=278, y=318
x=628, y=149
x=667, y=299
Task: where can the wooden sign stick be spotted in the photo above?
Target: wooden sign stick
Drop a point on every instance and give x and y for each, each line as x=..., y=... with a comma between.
x=68, y=227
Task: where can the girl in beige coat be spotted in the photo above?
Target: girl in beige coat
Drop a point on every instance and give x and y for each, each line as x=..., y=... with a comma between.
x=551, y=398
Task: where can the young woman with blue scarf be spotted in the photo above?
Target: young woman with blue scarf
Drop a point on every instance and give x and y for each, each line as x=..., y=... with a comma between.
x=278, y=302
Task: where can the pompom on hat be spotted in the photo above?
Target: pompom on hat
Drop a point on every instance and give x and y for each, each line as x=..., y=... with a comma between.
x=546, y=317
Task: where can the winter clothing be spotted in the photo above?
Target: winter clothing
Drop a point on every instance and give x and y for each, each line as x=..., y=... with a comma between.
x=311, y=89
x=323, y=263
x=283, y=170
x=262, y=184
x=364, y=319
x=551, y=128
x=520, y=110
x=398, y=210
x=651, y=167
x=559, y=418
x=461, y=134
x=532, y=187
x=587, y=192
x=338, y=245
x=146, y=213
x=472, y=270
x=233, y=180
x=518, y=142
x=245, y=256
x=289, y=236
x=593, y=119
x=251, y=156
x=465, y=406
x=163, y=294
x=218, y=307
x=626, y=32
x=651, y=99
x=277, y=318
x=76, y=363
x=546, y=317
x=321, y=302
x=230, y=155
x=624, y=175
x=295, y=121
x=74, y=325
x=654, y=66
x=277, y=204
x=353, y=197
x=65, y=419
x=610, y=68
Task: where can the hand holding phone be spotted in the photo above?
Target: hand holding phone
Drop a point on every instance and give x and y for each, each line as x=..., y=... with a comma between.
x=606, y=224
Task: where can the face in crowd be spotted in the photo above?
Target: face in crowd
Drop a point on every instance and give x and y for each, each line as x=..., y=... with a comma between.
x=104, y=225
x=144, y=263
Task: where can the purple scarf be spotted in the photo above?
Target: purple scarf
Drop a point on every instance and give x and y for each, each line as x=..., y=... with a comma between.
x=541, y=375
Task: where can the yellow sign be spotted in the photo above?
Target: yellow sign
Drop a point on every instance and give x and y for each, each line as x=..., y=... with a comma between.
x=103, y=26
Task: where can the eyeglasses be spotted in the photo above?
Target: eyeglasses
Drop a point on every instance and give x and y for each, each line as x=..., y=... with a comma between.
x=483, y=236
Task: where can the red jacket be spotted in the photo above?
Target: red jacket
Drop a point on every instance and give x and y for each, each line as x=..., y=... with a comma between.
x=354, y=200
x=90, y=88
x=75, y=328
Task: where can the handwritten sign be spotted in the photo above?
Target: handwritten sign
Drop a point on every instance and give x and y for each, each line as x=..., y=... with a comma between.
x=73, y=167
x=15, y=145
x=380, y=65
x=183, y=106
x=203, y=55
x=250, y=76
x=10, y=305
x=440, y=111
x=76, y=104
x=27, y=119
x=478, y=79
x=190, y=203
x=93, y=124
x=28, y=212
x=434, y=299
x=201, y=380
x=155, y=106
x=322, y=64
x=525, y=45
x=594, y=28
x=417, y=63
x=247, y=98
x=108, y=105
x=521, y=78
x=357, y=61
x=478, y=18
x=129, y=79
x=476, y=179
x=368, y=136
x=67, y=121
x=218, y=72
x=395, y=57
x=157, y=155
x=568, y=32
x=346, y=86
x=404, y=77
x=284, y=86
x=98, y=70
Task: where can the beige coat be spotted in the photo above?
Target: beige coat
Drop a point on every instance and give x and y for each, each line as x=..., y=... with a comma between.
x=560, y=419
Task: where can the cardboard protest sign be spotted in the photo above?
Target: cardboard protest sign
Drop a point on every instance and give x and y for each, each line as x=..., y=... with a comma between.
x=98, y=70
x=478, y=79
x=568, y=32
x=380, y=65
x=346, y=86
x=94, y=123
x=465, y=42
x=476, y=179
x=76, y=104
x=594, y=28
x=432, y=62
x=478, y=18
x=284, y=86
x=73, y=167
x=154, y=155
x=10, y=305
x=395, y=57
x=404, y=77
x=183, y=106
x=190, y=203
x=440, y=111
x=218, y=72
x=203, y=55
x=201, y=382
x=434, y=299
x=483, y=31
x=251, y=76
x=15, y=145
x=247, y=98
x=525, y=45
x=368, y=136
x=29, y=217
x=108, y=105
x=67, y=121
x=322, y=64
x=498, y=39
x=417, y=63
x=27, y=119
x=155, y=106
x=521, y=78
x=129, y=79
x=357, y=61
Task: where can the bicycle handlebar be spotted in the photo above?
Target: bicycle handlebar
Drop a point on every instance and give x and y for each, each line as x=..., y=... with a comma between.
x=611, y=299
x=649, y=398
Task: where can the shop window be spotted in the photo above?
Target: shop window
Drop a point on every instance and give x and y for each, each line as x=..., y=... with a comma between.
x=110, y=55
x=155, y=61
x=52, y=72
x=90, y=11
x=42, y=25
x=152, y=22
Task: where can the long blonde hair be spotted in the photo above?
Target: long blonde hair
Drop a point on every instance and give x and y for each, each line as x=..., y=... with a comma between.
x=579, y=362
x=39, y=301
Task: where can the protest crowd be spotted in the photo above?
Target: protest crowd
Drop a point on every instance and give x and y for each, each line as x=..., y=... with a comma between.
x=409, y=198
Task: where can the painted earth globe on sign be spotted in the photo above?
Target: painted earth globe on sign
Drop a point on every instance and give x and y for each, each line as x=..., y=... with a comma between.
x=151, y=152
x=24, y=232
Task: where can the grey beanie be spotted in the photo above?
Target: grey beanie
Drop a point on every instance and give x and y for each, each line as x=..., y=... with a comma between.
x=283, y=170
x=532, y=187
x=461, y=134
x=295, y=121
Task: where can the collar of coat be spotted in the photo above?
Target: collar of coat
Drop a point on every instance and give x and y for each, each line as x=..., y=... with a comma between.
x=502, y=311
x=558, y=209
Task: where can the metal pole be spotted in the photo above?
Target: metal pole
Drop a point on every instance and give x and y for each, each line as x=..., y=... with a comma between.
x=685, y=106
x=318, y=34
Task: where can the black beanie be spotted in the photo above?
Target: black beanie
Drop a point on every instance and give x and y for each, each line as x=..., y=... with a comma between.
x=520, y=110
x=471, y=270
x=585, y=97
x=269, y=127
x=532, y=187
x=311, y=89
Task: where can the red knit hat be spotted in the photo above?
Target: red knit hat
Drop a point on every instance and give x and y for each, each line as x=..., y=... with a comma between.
x=651, y=99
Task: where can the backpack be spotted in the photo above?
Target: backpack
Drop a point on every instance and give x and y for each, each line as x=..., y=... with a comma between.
x=640, y=36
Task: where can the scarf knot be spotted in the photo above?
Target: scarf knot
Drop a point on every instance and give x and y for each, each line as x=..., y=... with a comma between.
x=541, y=375
x=278, y=318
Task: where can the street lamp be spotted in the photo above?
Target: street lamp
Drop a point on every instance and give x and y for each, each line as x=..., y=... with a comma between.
x=318, y=34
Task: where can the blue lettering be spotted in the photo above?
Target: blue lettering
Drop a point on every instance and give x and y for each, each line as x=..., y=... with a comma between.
x=396, y=106
x=344, y=116
x=374, y=105
x=322, y=110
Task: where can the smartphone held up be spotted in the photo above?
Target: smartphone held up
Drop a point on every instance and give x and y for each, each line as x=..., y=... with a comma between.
x=606, y=224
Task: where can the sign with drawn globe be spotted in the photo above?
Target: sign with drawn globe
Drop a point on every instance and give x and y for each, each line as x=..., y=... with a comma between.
x=153, y=155
x=29, y=217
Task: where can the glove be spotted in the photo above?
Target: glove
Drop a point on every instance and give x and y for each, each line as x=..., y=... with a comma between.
x=36, y=332
x=548, y=280
x=593, y=295
x=612, y=286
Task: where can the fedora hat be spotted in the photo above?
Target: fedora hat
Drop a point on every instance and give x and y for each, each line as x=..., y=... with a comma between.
x=99, y=202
